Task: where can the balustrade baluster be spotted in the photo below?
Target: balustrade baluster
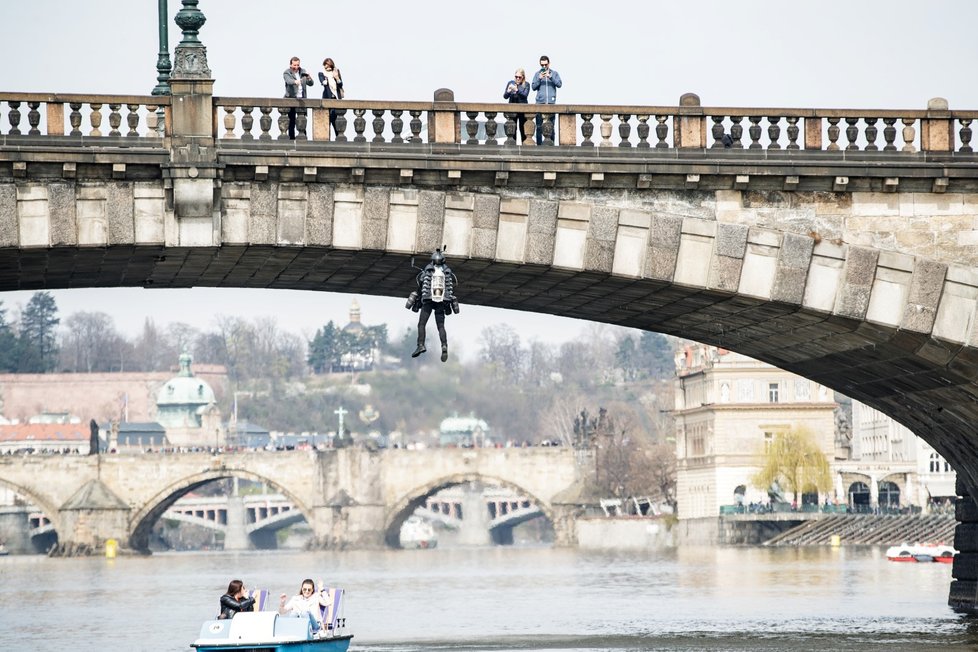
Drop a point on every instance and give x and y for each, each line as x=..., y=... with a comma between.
x=265, y=122
x=283, y=123
x=340, y=125
x=115, y=119
x=95, y=119
x=359, y=126
x=301, y=122
x=509, y=128
x=415, y=126
x=548, y=129
x=774, y=132
x=754, y=132
x=229, y=121
x=152, y=121
x=132, y=120
x=833, y=133
x=472, y=127
x=889, y=134
x=793, y=131
x=397, y=125
x=33, y=118
x=909, y=134
x=718, y=131
x=852, y=133
x=587, y=130
x=871, y=133
x=965, y=135
x=75, y=118
x=491, y=127
x=624, y=130
x=661, y=131
x=643, y=132
x=736, y=132
x=378, y=125
x=1, y=118
x=13, y=116
x=605, y=130
x=247, y=122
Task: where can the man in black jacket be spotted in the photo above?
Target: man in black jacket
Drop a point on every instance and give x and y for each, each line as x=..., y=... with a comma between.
x=435, y=294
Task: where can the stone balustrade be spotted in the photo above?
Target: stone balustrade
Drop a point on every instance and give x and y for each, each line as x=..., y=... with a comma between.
x=95, y=116
x=687, y=126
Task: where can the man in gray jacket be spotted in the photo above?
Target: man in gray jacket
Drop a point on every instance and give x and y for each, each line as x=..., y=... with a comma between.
x=545, y=83
x=296, y=80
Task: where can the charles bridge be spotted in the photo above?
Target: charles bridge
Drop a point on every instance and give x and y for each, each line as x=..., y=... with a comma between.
x=838, y=244
x=349, y=497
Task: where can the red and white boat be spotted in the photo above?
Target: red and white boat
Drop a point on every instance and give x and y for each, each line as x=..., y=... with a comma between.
x=921, y=552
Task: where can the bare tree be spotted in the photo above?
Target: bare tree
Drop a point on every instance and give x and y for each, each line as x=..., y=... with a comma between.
x=91, y=343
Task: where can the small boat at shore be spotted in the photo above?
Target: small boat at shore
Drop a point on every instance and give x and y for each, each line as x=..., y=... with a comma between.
x=921, y=553
x=269, y=632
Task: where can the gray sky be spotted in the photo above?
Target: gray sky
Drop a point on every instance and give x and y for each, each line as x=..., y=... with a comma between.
x=893, y=54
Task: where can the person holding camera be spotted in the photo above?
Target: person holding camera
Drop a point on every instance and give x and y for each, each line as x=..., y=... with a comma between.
x=518, y=92
x=545, y=83
x=296, y=80
x=332, y=82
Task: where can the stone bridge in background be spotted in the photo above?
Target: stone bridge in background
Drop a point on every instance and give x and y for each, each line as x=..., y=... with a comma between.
x=838, y=244
x=349, y=497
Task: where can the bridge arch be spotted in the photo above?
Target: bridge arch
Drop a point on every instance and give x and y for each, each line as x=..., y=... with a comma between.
x=50, y=510
x=405, y=506
x=142, y=521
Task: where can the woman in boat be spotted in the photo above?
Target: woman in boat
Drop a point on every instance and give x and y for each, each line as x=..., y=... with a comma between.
x=307, y=601
x=235, y=600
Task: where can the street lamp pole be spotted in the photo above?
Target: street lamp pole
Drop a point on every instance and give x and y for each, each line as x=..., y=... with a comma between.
x=163, y=66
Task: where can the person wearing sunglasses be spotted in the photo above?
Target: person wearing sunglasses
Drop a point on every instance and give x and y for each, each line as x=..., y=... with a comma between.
x=518, y=92
x=307, y=603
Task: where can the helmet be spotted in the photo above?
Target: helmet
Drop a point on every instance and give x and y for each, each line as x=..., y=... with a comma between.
x=438, y=258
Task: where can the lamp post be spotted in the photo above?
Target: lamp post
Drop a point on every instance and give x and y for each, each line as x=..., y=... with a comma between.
x=163, y=66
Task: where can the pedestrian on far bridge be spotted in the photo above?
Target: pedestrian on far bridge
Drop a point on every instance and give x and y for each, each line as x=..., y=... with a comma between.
x=545, y=82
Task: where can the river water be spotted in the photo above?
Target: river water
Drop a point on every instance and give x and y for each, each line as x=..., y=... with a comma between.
x=512, y=598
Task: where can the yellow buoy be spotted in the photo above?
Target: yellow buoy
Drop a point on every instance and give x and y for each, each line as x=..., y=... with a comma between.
x=111, y=548
x=836, y=540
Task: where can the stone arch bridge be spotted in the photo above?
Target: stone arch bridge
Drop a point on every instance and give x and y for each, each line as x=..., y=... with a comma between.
x=839, y=244
x=349, y=497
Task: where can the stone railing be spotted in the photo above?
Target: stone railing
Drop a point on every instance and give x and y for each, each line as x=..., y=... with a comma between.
x=94, y=116
x=443, y=121
x=688, y=126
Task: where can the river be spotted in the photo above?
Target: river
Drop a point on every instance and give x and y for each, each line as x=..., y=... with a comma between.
x=504, y=598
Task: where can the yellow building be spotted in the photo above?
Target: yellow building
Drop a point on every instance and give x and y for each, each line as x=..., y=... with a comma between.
x=728, y=408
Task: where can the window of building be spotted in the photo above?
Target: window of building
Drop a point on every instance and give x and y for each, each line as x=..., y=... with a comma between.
x=768, y=440
x=773, y=392
x=745, y=390
x=803, y=389
x=935, y=463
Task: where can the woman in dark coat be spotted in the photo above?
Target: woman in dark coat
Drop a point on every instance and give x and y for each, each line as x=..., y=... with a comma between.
x=235, y=600
x=518, y=92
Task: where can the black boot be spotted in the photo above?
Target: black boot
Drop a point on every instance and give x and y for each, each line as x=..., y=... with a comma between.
x=444, y=353
x=418, y=351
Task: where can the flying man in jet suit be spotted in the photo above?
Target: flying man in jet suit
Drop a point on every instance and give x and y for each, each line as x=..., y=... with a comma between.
x=435, y=294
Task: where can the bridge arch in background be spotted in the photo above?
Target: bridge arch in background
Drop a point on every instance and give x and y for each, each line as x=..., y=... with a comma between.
x=405, y=506
x=50, y=511
x=142, y=521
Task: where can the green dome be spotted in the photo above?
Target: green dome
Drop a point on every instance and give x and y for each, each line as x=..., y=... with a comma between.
x=184, y=389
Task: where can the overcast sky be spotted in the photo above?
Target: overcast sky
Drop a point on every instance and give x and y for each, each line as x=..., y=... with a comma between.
x=892, y=54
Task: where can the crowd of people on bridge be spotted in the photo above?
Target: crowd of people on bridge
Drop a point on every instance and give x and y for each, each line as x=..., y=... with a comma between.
x=545, y=83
